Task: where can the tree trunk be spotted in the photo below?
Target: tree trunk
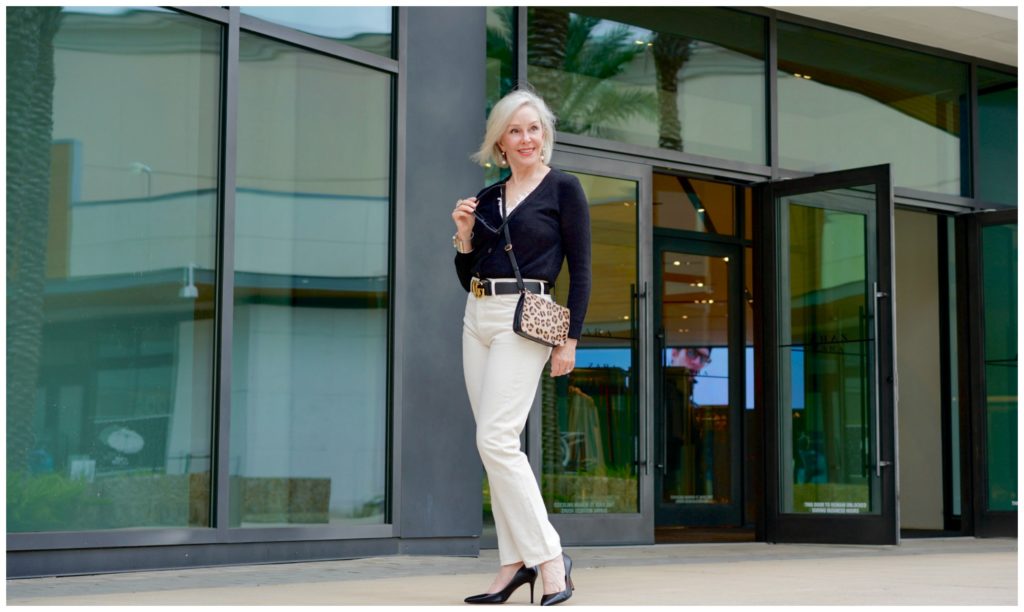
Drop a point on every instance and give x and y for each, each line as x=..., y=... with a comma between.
x=670, y=53
x=547, y=35
x=30, y=80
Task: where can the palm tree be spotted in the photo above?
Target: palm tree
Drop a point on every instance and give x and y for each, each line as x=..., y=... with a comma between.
x=500, y=47
x=546, y=38
x=30, y=80
x=572, y=68
x=670, y=53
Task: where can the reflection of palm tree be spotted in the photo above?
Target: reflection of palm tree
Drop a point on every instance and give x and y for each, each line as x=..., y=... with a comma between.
x=499, y=48
x=30, y=79
x=670, y=52
x=572, y=68
x=547, y=35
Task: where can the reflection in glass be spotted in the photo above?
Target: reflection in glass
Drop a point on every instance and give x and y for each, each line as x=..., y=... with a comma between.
x=589, y=418
x=839, y=109
x=997, y=137
x=363, y=27
x=681, y=78
x=999, y=287
x=110, y=267
x=826, y=355
x=686, y=203
x=501, y=68
x=311, y=303
x=695, y=384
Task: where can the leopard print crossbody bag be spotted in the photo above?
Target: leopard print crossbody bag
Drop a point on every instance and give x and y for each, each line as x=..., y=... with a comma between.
x=536, y=318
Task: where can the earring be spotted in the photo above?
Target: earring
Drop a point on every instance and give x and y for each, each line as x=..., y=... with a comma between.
x=502, y=161
x=542, y=158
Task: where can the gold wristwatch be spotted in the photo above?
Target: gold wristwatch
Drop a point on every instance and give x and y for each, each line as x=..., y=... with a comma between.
x=458, y=243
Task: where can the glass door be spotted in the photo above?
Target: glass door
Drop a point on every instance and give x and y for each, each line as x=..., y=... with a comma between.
x=988, y=246
x=699, y=383
x=829, y=373
x=587, y=433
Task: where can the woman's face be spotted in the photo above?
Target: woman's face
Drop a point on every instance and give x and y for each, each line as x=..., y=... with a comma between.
x=523, y=138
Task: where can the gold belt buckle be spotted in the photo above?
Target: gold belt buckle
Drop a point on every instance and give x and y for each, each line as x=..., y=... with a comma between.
x=477, y=287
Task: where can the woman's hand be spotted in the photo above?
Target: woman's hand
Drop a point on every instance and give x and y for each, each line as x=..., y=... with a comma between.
x=464, y=219
x=563, y=358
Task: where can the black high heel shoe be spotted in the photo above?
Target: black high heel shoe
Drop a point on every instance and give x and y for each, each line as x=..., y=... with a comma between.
x=557, y=598
x=524, y=575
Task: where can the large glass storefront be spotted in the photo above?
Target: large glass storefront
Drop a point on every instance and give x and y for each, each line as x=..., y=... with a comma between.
x=207, y=249
x=309, y=383
x=111, y=211
x=114, y=198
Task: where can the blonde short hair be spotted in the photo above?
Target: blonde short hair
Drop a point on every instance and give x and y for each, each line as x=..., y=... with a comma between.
x=501, y=116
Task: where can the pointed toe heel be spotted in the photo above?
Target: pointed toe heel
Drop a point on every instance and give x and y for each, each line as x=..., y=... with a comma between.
x=524, y=575
x=557, y=598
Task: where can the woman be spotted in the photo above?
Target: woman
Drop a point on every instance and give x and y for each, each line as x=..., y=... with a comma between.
x=548, y=219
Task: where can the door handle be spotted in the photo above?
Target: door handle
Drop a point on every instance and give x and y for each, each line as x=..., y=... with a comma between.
x=879, y=464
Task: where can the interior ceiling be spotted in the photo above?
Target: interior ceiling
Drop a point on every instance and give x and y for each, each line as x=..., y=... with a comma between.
x=985, y=32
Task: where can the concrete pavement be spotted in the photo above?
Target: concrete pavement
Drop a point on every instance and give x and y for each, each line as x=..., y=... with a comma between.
x=940, y=571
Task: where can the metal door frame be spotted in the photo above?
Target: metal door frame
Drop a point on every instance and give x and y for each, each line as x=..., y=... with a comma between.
x=880, y=528
x=620, y=528
x=976, y=518
x=708, y=516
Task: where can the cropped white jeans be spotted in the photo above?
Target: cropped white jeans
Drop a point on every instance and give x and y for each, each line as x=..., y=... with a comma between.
x=502, y=371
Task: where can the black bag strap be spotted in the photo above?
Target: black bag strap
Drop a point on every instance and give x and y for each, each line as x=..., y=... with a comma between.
x=508, y=245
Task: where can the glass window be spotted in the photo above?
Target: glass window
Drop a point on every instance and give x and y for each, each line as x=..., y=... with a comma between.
x=846, y=103
x=501, y=59
x=686, y=203
x=686, y=79
x=309, y=384
x=997, y=136
x=112, y=123
x=501, y=67
x=999, y=292
x=363, y=27
x=589, y=418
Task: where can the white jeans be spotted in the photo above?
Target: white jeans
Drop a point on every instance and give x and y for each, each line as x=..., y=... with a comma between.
x=502, y=371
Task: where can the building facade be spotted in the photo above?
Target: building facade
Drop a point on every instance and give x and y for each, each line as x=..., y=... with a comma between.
x=233, y=323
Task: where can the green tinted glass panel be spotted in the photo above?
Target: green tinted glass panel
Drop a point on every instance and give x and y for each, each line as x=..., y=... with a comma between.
x=501, y=59
x=112, y=123
x=999, y=269
x=589, y=422
x=501, y=67
x=309, y=399
x=997, y=136
x=682, y=78
x=826, y=355
x=846, y=103
x=364, y=27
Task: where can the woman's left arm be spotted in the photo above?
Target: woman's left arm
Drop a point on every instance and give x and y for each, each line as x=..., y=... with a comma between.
x=574, y=217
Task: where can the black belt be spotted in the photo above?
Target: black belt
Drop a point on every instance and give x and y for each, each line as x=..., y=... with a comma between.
x=485, y=286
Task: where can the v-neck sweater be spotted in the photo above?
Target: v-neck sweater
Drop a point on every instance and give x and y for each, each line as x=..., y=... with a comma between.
x=551, y=224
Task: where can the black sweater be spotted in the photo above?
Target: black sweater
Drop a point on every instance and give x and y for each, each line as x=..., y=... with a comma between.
x=551, y=223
